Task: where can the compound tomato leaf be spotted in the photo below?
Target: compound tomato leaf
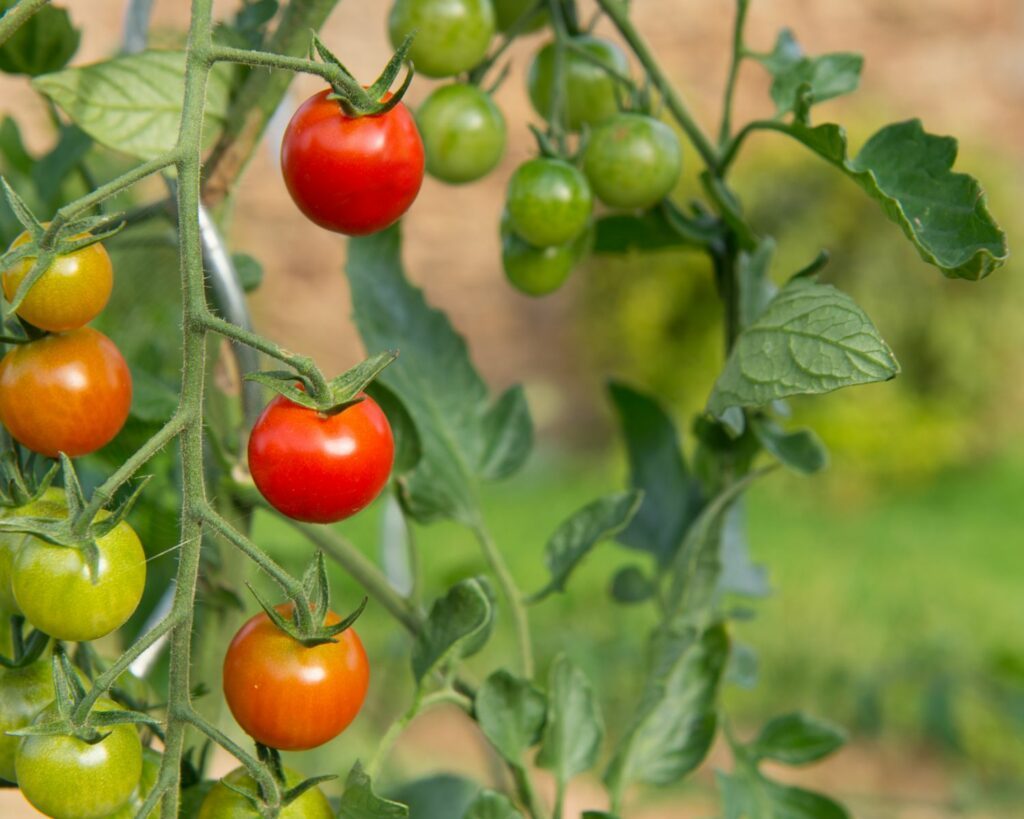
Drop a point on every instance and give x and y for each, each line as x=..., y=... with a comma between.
x=360, y=802
x=797, y=739
x=908, y=172
x=574, y=728
x=576, y=536
x=491, y=805
x=464, y=436
x=657, y=467
x=457, y=625
x=810, y=339
x=676, y=721
x=133, y=103
x=511, y=713
x=827, y=76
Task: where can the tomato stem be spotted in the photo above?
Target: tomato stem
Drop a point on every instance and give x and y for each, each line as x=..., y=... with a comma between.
x=14, y=17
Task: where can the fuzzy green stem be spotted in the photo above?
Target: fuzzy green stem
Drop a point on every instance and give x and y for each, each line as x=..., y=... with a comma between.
x=14, y=18
x=618, y=14
x=512, y=594
x=284, y=62
x=738, y=53
x=730, y=151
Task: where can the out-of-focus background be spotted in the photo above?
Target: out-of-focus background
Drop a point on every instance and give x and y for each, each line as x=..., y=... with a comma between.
x=899, y=577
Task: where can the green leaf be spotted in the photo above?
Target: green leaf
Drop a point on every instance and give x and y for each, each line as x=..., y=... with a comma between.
x=631, y=585
x=12, y=148
x=908, y=171
x=44, y=43
x=511, y=714
x=249, y=271
x=465, y=437
x=491, y=805
x=797, y=739
x=463, y=614
x=754, y=797
x=671, y=495
x=574, y=729
x=50, y=173
x=152, y=400
x=133, y=103
x=756, y=287
x=801, y=450
x=676, y=721
x=360, y=802
x=624, y=233
x=408, y=449
x=575, y=537
x=827, y=76
x=440, y=796
x=810, y=339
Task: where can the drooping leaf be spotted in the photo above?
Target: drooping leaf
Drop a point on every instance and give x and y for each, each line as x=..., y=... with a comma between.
x=810, y=339
x=671, y=498
x=796, y=739
x=754, y=797
x=908, y=172
x=676, y=721
x=249, y=270
x=465, y=436
x=574, y=728
x=800, y=449
x=455, y=620
x=441, y=796
x=132, y=103
x=584, y=529
x=360, y=802
x=827, y=76
x=491, y=805
x=511, y=714
x=408, y=447
x=45, y=42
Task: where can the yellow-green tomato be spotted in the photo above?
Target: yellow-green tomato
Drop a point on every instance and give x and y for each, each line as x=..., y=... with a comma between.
x=49, y=504
x=463, y=133
x=24, y=692
x=66, y=778
x=632, y=161
x=452, y=36
x=223, y=803
x=549, y=202
x=59, y=595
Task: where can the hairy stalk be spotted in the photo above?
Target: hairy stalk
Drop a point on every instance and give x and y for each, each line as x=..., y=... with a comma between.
x=14, y=18
x=619, y=15
x=732, y=148
x=512, y=594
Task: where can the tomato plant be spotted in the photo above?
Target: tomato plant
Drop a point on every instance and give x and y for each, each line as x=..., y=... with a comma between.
x=225, y=802
x=351, y=174
x=320, y=468
x=51, y=503
x=632, y=161
x=65, y=393
x=24, y=692
x=68, y=778
x=451, y=35
x=70, y=293
x=549, y=202
x=323, y=685
x=463, y=133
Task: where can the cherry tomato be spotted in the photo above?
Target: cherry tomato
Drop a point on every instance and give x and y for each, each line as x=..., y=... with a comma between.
x=67, y=778
x=353, y=175
x=589, y=95
x=71, y=292
x=463, y=133
x=49, y=504
x=452, y=36
x=632, y=161
x=66, y=393
x=288, y=696
x=58, y=595
x=549, y=202
x=24, y=692
x=320, y=468
x=507, y=12
x=538, y=271
x=223, y=803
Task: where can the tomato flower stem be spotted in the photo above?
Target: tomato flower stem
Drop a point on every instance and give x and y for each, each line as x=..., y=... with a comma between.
x=13, y=19
x=739, y=52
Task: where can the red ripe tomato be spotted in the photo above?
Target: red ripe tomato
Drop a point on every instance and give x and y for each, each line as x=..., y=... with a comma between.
x=353, y=175
x=288, y=696
x=65, y=393
x=321, y=468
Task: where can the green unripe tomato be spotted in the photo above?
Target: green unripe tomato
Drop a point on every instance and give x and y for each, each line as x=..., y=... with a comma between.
x=59, y=596
x=632, y=161
x=463, y=133
x=538, y=271
x=223, y=803
x=452, y=36
x=507, y=12
x=589, y=93
x=49, y=504
x=67, y=778
x=24, y=692
x=549, y=202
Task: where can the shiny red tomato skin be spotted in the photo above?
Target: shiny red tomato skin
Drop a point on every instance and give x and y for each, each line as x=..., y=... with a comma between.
x=352, y=175
x=67, y=393
x=288, y=696
x=321, y=468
